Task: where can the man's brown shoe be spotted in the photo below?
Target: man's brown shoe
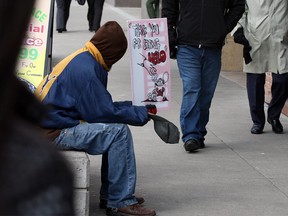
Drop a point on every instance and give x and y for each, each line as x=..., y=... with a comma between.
x=103, y=202
x=131, y=210
x=137, y=209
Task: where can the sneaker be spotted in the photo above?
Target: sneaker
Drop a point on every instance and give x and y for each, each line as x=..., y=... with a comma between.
x=103, y=202
x=130, y=210
x=192, y=145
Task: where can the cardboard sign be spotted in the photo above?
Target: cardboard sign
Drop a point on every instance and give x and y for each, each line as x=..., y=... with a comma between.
x=150, y=62
x=33, y=62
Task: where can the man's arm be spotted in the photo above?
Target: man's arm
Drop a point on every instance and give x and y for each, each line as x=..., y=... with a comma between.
x=235, y=10
x=170, y=10
x=96, y=105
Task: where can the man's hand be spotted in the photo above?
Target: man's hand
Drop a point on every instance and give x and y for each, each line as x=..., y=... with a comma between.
x=246, y=54
x=240, y=38
x=151, y=108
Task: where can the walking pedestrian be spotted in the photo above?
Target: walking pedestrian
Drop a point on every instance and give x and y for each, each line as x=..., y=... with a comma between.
x=263, y=31
x=197, y=30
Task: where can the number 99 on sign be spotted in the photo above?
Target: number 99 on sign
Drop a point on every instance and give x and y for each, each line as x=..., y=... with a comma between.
x=31, y=54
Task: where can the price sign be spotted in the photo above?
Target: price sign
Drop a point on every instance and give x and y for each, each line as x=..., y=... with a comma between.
x=33, y=62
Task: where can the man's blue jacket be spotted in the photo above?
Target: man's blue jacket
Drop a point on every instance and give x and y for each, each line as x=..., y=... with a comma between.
x=76, y=90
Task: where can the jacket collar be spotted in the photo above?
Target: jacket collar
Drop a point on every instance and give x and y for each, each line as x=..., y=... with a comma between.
x=97, y=55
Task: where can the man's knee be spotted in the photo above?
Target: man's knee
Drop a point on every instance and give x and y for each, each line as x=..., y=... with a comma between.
x=123, y=129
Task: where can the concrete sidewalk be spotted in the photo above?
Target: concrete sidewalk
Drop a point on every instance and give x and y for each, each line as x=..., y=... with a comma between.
x=237, y=174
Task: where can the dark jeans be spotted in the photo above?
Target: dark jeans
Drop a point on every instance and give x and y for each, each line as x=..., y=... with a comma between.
x=62, y=14
x=199, y=70
x=95, y=8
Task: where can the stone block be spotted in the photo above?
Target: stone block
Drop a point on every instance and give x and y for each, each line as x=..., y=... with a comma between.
x=80, y=165
x=81, y=200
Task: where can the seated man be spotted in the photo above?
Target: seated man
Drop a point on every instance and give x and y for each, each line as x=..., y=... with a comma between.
x=83, y=116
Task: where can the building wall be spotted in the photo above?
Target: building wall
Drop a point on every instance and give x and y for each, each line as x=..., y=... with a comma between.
x=232, y=57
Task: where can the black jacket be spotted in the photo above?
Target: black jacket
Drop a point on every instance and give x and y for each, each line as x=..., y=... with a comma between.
x=201, y=23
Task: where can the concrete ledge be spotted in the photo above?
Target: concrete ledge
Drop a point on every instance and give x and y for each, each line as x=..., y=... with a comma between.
x=124, y=3
x=80, y=165
x=81, y=201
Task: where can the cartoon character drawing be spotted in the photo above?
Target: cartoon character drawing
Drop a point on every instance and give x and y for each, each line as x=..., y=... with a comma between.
x=159, y=92
x=148, y=66
x=160, y=88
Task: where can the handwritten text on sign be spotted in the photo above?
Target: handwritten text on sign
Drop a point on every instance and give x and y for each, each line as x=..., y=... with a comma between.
x=150, y=62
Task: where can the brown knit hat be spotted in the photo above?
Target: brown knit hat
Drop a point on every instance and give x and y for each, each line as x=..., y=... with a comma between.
x=111, y=42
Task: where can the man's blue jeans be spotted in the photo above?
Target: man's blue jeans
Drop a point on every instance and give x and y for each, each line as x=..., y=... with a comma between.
x=199, y=70
x=115, y=142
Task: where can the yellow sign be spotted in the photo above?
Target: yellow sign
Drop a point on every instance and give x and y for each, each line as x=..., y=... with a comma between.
x=33, y=59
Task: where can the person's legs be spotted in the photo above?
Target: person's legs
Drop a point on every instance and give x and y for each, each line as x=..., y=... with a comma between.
x=104, y=184
x=66, y=13
x=279, y=91
x=60, y=14
x=116, y=139
x=104, y=178
x=90, y=14
x=211, y=61
x=98, y=9
x=190, y=66
x=256, y=97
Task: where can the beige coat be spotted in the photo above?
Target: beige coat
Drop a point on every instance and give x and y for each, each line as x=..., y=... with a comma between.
x=265, y=24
